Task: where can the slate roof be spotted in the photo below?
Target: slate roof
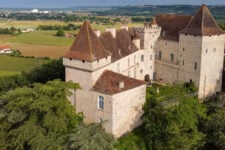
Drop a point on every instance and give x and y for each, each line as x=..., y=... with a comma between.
x=108, y=83
x=87, y=45
x=203, y=24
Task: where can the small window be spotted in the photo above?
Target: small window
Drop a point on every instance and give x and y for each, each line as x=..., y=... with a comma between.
x=134, y=72
x=151, y=67
x=118, y=67
x=195, y=66
x=160, y=55
x=206, y=50
x=71, y=59
x=183, y=49
x=128, y=62
x=101, y=102
x=183, y=62
x=150, y=57
x=142, y=58
x=141, y=71
x=83, y=61
x=172, y=57
x=214, y=50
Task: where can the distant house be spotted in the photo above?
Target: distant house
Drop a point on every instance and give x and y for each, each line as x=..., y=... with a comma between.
x=5, y=50
x=27, y=30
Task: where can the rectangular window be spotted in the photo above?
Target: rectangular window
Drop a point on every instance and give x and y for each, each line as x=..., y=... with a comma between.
x=195, y=66
x=142, y=58
x=150, y=57
x=160, y=55
x=118, y=67
x=128, y=62
x=101, y=102
x=172, y=57
x=135, y=73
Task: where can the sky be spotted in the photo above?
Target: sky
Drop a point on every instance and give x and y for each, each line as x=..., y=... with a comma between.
x=71, y=3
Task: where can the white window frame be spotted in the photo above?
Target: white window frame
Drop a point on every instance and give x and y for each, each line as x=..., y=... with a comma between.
x=100, y=99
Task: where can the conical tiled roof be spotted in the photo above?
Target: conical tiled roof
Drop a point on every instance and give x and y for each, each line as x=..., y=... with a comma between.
x=153, y=22
x=87, y=45
x=203, y=24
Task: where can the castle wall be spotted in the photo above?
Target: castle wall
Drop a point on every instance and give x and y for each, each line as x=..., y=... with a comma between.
x=166, y=66
x=127, y=110
x=211, y=65
x=190, y=54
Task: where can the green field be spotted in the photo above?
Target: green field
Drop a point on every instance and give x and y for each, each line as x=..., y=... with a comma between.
x=14, y=65
x=41, y=38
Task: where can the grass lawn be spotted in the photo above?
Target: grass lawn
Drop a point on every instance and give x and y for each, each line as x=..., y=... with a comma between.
x=14, y=65
x=42, y=38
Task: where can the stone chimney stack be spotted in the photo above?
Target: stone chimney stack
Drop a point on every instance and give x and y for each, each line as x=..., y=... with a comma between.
x=112, y=31
x=121, y=84
x=125, y=27
x=98, y=33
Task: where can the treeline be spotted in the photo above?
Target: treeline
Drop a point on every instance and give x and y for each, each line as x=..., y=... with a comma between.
x=141, y=19
x=177, y=120
x=13, y=31
x=64, y=17
x=36, y=115
x=68, y=27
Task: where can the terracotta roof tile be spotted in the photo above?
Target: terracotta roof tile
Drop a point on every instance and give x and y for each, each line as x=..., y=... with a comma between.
x=171, y=24
x=203, y=24
x=87, y=46
x=5, y=47
x=108, y=83
x=120, y=46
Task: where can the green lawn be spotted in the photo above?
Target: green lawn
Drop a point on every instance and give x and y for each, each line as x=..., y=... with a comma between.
x=42, y=38
x=14, y=65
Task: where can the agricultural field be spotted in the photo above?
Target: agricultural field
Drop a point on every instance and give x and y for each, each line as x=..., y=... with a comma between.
x=43, y=43
x=15, y=65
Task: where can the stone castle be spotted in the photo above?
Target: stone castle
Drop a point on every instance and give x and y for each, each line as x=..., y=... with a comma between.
x=113, y=67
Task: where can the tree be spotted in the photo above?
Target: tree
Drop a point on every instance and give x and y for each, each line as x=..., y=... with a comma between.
x=46, y=72
x=173, y=127
x=60, y=32
x=90, y=136
x=37, y=118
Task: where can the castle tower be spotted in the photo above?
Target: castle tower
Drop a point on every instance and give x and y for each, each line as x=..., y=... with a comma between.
x=86, y=55
x=201, y=52
x=149, y=34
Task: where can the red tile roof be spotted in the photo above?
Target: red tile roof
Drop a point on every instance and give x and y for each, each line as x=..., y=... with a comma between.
x=87, y=45
x=108, y=83
x=120, y=46
x=203, y=24
x=5, y=47
x=171, y=24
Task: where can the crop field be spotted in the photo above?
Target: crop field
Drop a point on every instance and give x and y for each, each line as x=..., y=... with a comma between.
x=43, y=43
x=41, y=38
x=14, y=65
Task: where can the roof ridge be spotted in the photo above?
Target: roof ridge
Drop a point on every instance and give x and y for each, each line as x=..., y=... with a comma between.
x=89, y=42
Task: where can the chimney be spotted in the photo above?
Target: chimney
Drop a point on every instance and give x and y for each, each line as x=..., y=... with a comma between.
x=98, y=33
x=121, y=84
x=137, y=43
x=125, y=27
x=112, y=31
